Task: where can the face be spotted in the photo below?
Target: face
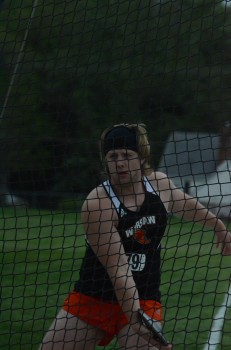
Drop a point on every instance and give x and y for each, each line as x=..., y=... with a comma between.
x=124, y=166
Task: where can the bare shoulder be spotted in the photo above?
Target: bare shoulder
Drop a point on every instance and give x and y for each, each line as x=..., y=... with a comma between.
x=98, y=207
x=163, y=185
x=160, y=181
x=96, y=199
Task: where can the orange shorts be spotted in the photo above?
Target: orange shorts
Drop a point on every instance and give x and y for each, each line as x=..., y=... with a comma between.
x=107, y=316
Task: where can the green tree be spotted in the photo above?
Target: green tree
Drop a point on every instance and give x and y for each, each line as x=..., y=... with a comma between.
x=89, y=64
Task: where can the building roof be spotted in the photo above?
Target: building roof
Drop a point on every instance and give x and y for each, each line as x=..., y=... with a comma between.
x=189, y=156
x=191, y=161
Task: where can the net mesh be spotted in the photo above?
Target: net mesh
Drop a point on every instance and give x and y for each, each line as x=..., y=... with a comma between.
x=68, y=70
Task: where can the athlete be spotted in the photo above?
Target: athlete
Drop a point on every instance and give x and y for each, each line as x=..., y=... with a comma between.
x=124, y=220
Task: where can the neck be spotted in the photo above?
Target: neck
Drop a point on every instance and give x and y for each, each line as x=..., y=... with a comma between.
x=127, y=189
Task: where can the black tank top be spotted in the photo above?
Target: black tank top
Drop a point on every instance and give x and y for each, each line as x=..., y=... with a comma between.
x=141, y=233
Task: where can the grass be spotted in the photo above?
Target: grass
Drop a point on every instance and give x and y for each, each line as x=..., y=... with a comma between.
x=40, y=256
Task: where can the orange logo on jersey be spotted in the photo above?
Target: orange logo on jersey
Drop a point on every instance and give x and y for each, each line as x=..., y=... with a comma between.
x=140, y=236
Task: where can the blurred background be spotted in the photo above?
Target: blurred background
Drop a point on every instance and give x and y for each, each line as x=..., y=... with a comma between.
x=69, y=69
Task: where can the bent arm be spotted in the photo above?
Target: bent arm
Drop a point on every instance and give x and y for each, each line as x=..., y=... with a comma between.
x=190, y=209
x=182, y=205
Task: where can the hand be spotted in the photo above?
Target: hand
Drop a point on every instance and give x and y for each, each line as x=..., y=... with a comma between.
x=224, y=239
x=145, y=333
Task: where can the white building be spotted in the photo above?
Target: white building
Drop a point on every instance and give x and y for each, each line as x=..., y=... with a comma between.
x=196, y=163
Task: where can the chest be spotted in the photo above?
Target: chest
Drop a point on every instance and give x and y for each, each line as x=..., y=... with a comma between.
x=145, y=226
x=133, y=203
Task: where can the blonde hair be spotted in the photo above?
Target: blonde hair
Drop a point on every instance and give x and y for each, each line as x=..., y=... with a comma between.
x=143, y=145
